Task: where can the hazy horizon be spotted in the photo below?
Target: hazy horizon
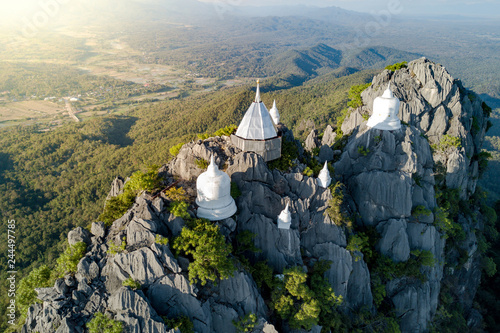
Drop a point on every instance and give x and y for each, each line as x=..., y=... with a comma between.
x=468, y=8
x=16, y=11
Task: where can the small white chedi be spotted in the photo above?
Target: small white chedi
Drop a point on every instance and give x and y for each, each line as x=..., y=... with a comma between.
x=285, y=218
x=324, y=179
x=214, y=194
x=275, y=115
x=385, y=112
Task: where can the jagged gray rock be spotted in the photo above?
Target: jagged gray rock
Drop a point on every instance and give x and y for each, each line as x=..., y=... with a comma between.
x=88, y=268
x=248, y=166
x=437, y=105
x=98, y=229
x=353, y=120
x=281, y=248
x=134, y=309
x=328, y=136
x=141, y=265
x=173, y=296
x=394, y=242
x=241, y=292
x=340, y=271
x=78, y=235
x=312, y=141
x=325, y=153
x=116, y=187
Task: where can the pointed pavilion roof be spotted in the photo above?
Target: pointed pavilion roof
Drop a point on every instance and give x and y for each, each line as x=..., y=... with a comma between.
x=257, y=123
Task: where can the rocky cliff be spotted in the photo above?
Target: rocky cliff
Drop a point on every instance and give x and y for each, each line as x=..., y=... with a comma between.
x=391, y=182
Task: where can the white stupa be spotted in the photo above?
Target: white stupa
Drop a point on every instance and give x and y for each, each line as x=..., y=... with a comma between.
x=324, y=179
x=214, y=194
x=256, y=132
x=274, y=113
x=385, y=112
x=285, y=219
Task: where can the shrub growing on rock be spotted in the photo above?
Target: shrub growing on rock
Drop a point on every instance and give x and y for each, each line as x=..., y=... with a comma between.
x=102, y=324
x=26, y=294
x=397, y=66
x=68, y=261
x=203, y=241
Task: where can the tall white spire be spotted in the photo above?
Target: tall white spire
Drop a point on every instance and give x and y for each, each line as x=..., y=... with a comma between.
x=257, y=95
x=324, y=178
x=285, y=218
x=212, y=167
x=275, y=114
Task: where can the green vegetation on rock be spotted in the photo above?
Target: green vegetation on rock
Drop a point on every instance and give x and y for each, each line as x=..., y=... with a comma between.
x=139, y=181
x=203, y=242
x=355, y=95
x=305, y=301
x=129, y=282
x=69, y=259
x=397, y=66
x=182, y=323
x=100, y=323
x=246, y=323
x=446, y=142
x=26, y=294
x=114, y=249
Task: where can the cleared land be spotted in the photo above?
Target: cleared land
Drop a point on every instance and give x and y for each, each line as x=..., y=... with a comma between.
x=27, y=110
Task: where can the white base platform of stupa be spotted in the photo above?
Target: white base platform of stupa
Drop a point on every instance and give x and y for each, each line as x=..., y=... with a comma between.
x=216, y=214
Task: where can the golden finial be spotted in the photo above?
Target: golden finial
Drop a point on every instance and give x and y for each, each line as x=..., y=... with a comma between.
x=258, y=81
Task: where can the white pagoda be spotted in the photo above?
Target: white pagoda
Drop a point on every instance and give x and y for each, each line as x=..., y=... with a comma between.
x=214, y=194
x=285, y=219
x=257, y=131
x=385, y=112
x=275, y=115
x=324, y=179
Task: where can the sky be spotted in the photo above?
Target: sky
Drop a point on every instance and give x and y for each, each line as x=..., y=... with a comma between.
x=482, y=8
x=486, y=8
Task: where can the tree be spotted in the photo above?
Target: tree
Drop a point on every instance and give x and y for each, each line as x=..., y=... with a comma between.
x=304, y=302
x=26, y=294
x=203, y=241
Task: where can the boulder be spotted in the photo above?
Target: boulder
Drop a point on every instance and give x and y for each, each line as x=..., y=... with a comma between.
x=88, y=268
x=248, y=166
x=140, y=233
x=312, y=141
x=359, y=292
x=141, y=265
x=329, y=136
x=98, y=229
x=353, y=120
x=79, y=235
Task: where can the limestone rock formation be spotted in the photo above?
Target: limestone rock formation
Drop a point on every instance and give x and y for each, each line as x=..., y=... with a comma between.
x=390, y=178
